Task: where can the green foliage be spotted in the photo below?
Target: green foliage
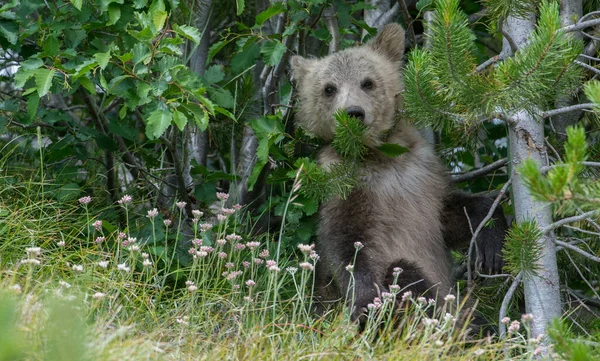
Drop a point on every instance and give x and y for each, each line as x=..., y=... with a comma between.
x=522, y=251
x=592, y=92
x=349, y=139
x=499, y=10
x=128, y=46
x=564, y=184
x=567, y=346
x=322, y=184
x=11, y=340
x=443, y=88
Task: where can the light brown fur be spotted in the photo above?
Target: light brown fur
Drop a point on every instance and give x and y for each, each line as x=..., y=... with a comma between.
x=396, y=213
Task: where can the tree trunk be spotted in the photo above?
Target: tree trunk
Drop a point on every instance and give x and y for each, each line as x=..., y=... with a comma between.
x=196, y=141
x=542, y=296
x=570, y=12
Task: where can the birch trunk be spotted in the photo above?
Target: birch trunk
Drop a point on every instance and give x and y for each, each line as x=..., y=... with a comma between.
x=542, y=296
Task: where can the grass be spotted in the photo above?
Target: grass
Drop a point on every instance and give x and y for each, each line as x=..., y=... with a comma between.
x=72, y=289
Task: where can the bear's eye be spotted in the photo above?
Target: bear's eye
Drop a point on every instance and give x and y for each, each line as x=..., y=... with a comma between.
x=367, y=84
x=330, y=90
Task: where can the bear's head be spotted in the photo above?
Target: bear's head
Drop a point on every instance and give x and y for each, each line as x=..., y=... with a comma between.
x=365, y=81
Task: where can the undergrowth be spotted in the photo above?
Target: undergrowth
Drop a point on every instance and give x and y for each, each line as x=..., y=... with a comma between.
x=138, y=284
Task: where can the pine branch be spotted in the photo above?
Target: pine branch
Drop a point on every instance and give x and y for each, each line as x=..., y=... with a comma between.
x=577, y=250
x=551, y=113
x=457, y=178
x=568, y=220
x=582, y=24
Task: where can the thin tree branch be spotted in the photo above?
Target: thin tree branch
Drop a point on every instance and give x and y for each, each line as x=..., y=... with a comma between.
x=553, y=112
x=568, y=220
x=457, y=178
x=577, y=250
x=409, y=22
x=505, y=303
x=581, y=274
x=581, y=24
x=482, y=224
x=487, y=63
x=588, y=67
x=386, y=17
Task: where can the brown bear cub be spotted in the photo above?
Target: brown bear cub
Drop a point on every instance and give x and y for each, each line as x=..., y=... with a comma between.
x=397, y=213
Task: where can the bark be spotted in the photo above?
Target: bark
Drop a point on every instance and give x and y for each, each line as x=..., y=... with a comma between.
x=570, y=12
x=382, y=14
x=197, y=139
x=542, y=296
x=269, y=80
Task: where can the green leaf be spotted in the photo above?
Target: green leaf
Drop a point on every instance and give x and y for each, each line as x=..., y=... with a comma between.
x=32, y=64
x=392, y=150
x=158, y=122
x=214, y=74
x=240, y=7
x=114, y=14
x=215, y=48
x=273, y=10
x=77, y=4
x=33, y=101
x=140, y=53
x=188, y=32
x=423, y=4
x=43, y=80
x=200, y=115
x=272, y=51
x=179, y=119
x=246, y=58
x=102, y=59
x=51, y=46
x=222, y=97
x=83, y=68
x=88, y=85
x=22, y=76
x=158, y=19
x=10, y=31
x=262, y=153
x=142, y=90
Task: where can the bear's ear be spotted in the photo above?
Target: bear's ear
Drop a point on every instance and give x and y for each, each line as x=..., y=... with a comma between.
x=300, y=66
x=389, y=42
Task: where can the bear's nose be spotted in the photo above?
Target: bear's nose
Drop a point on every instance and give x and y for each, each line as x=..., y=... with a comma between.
x=356, y=112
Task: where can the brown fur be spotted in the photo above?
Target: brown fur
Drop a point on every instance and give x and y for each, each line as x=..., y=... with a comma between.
x=396, y=214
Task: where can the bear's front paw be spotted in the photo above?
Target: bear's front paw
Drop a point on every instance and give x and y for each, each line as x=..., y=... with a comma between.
x=490, y=256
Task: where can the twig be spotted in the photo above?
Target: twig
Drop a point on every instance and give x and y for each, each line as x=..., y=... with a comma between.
x=581, y=25
x=505, y=302
x=553, y=112
x=386, y=17
x=471, y=245
x=482, y=224
x=477, y=16
x=577, y=294
x=487, y=63
x=577, y=250
x=511, y=42
x=409, y=22
x=457, y=178
x=568, y=220
x=581, y=275
x=588, y=67
x=500, y=275
x=576, y=229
